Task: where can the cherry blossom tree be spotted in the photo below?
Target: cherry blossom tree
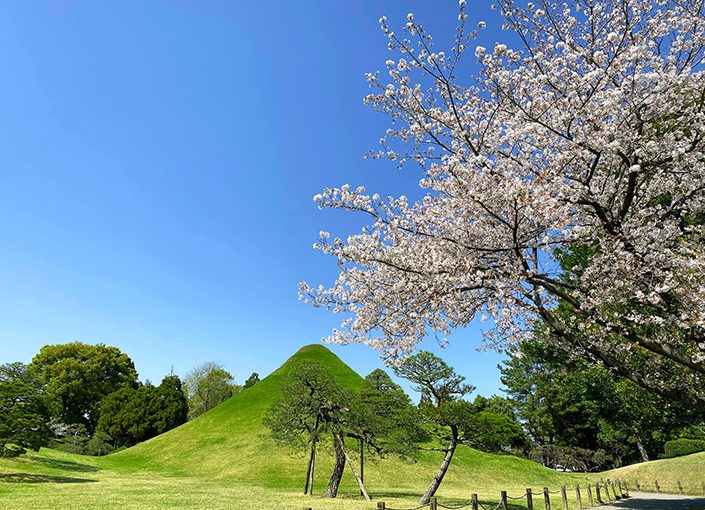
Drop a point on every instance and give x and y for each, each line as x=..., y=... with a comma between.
x=582, y=145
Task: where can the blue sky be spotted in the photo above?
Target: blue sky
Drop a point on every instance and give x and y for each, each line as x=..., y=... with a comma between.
x=158, y=163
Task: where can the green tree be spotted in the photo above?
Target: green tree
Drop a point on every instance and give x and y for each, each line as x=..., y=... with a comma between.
x=312, y=401
x=129, y=415
x=77, y=377
x=23, y=411
x=573, y=409
x=206, y=386
x=251, y=381
x=442, y=392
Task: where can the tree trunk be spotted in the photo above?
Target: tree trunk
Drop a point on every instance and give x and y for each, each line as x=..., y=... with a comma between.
x=313, y=469
x=640, y=446
x=357, y=477
x=309, y=473
x=362, y=461
x=337, y=474
x=442, y=469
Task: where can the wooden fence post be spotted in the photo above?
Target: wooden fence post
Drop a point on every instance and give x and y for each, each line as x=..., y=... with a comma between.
x=546, y=498
x=434, y=503
x=658, y=489
x=597, y=493
x=638, y=487
x=381, y=505
x=529, y=499
x=564, y=496
x=680, y=487
x=703, y=488
x=503, y=500
x=614, y=491
x=579, y=497
x=590, y=501
x=475, y=502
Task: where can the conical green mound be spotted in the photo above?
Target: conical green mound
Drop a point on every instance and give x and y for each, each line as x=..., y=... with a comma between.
x=231, y=442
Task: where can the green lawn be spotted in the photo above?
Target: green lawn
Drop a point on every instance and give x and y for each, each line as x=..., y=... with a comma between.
x=225, y=460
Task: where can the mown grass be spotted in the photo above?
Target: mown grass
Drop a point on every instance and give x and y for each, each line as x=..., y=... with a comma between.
x=225, y=460
x=688, y=470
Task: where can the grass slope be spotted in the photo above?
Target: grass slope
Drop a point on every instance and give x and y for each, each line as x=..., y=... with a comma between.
x=689, y=470
x=224, y=459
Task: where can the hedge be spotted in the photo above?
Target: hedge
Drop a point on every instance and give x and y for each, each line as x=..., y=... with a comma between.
x=679, y=447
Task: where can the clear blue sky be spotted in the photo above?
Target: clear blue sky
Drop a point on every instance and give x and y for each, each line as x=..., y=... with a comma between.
x=158, y=162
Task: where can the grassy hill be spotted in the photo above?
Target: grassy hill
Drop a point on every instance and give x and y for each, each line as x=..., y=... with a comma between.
x=225, y=459
x=689, y=470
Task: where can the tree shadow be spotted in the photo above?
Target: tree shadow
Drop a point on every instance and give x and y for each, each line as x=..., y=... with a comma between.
x=27, y=478
x=65, y=465
x=644, y=502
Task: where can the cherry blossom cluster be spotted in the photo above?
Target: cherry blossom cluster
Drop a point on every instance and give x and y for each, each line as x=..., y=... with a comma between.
x=588, y=137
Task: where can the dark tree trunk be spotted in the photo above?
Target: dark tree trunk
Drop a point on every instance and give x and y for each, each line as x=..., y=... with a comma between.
x=640, y=446
x=442, y=469
x=309, y=473
x=337, y=474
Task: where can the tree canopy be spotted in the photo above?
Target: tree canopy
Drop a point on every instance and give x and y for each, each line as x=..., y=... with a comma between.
x=586, y=138
x=23, y=410
x=206, y=386
x=78, y=376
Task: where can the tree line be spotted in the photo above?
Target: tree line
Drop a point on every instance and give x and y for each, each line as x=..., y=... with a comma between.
x=88, y=399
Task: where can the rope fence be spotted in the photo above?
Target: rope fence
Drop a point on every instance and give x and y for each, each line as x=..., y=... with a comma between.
x=601, y=493
x=590, y=495
x=678, y=488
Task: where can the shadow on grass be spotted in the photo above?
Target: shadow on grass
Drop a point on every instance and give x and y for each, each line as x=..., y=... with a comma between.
x=27, y=478
x=65, y=465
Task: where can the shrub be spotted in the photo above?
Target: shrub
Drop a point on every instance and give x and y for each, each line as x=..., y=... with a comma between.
x=683, y=446
x=11, y=450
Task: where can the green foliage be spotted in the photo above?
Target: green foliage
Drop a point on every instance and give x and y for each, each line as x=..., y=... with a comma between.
x=130, y=415
x=78, y=376
x=70, y=438
x=385, y=418
x=312, y=401
x=11, y=450
x=494, y=432
x=568, y=405
x=100, y=444
x=251, y=381
x=435, y=380
x=23, y=410
x=206, y=386
x=683, y=446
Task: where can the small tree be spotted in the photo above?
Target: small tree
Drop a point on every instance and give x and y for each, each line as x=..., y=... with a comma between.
x=311, y=402
x=251, y=381
x=442, y=404
x=206, y=386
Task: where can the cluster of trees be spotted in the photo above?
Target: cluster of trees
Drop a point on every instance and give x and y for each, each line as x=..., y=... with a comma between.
x=381, y=420
x=582, y=416
x=87, y=399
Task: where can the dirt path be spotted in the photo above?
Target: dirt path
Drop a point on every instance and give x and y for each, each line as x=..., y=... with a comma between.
x=648, y=501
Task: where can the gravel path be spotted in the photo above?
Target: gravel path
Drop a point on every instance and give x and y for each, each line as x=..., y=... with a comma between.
x=648, y=501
